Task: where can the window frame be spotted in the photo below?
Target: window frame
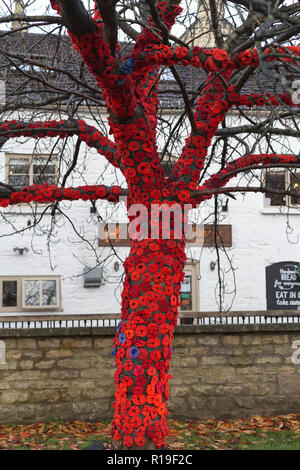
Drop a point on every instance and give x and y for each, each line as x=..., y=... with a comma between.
x=192, y=266
x=18, y=280
x=288, y=198
x=31, y=157
x=21, y=294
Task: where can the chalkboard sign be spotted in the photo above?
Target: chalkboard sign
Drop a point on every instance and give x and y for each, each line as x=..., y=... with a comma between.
x=283, y=286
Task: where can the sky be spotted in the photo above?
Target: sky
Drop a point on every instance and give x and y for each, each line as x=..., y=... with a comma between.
x=41, y=7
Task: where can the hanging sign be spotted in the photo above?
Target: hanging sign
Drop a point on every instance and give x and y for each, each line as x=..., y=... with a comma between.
x=116, y=234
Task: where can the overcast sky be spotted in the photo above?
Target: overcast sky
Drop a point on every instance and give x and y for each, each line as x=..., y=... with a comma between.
x=42, y=7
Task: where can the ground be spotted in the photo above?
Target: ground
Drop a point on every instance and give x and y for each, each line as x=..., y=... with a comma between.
x=255, y=433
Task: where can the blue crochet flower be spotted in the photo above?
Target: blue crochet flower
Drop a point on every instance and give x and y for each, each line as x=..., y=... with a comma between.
x=120, y=82
x=134, y=352
x=122, y=338
x=119, y=326
x=127, y=67
x=114, y=351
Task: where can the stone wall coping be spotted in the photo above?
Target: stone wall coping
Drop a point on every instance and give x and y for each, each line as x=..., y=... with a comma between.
x=117, y=316
x=181, y=329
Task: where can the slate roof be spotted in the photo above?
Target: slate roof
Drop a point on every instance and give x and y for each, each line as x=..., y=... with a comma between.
x=58, y=51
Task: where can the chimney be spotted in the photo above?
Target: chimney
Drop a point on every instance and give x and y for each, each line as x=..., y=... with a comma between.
x=18, y=10
x=200, y=32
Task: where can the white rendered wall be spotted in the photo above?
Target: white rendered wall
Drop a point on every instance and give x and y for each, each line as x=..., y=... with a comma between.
x=259, y=239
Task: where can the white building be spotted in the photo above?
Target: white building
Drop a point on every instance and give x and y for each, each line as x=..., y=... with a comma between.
x=43, y=267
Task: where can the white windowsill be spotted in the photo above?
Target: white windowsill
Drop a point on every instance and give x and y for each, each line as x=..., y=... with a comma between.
x=27, y=209
x=280, y=211
x=40, y=311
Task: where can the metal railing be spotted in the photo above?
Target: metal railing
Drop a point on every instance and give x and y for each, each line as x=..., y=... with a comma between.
x=240, y=318
x=60, y=321
x=112, y=320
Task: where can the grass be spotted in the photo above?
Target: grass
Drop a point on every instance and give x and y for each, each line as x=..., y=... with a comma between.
x=279, y=440
x=284, y=440
x=256, y=433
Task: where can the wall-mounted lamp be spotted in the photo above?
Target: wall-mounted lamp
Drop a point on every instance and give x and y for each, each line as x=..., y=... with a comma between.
x=116, y=266
x=21, y=250
x=225, y=206
x=212, y=265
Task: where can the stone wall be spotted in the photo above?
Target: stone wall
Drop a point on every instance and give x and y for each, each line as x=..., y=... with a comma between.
x=219, y=372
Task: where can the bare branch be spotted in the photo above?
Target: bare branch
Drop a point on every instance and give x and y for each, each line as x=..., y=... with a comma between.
x=107, y=9
x=75, y=17
x=244, y=189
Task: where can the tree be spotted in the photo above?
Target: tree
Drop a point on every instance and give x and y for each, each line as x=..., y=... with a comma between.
x=261, y=40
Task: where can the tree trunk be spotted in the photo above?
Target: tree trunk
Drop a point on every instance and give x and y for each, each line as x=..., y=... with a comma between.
x=153, y=276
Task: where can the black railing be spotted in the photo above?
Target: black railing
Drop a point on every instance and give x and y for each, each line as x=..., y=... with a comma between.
x=240, y=318
x=71, y=321
x=247, y=320
x=112, y=320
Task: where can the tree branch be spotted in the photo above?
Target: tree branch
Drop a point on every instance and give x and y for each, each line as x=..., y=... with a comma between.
x=75, y=16
x=246, y=163
x=63, y=128
x=108, y=13
x=215, y=22
x=32, y=19
x=208, y=193
x=261, y=6
x=51, y=193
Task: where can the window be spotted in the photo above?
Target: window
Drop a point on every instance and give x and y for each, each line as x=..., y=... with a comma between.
x=186, y=293
x=35, y=64
x=167, y=75
x=9, y=294
x=25, y=170
x=29, y=293
x=189, y=293
x=295, y=188
x=168, y=163
x=283, y=180
x=40, y=293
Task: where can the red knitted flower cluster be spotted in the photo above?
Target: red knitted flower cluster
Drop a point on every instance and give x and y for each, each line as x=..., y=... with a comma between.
x=42, y=193
x=154, y=268
x=143, y=343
